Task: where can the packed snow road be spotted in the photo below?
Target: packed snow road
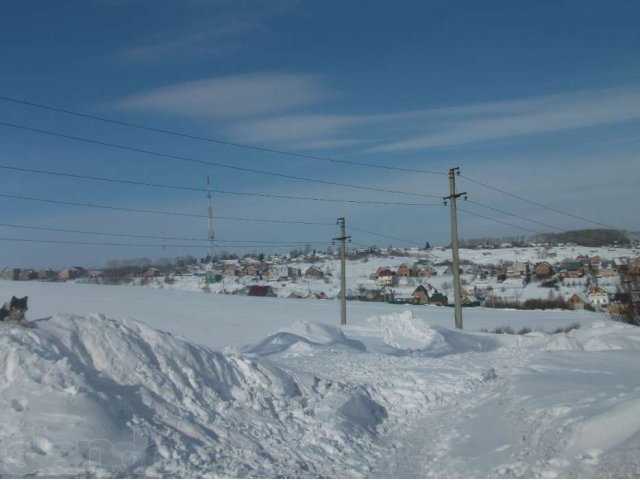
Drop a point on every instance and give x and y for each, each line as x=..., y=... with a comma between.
x=393, y=394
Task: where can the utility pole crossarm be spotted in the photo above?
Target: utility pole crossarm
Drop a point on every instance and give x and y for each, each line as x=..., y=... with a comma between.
x=457, y=285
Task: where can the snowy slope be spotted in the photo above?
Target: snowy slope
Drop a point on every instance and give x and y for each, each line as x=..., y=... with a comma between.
x=395, y=393
x=86, y=395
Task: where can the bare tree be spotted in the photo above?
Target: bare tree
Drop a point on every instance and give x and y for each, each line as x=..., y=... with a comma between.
x=628, y=308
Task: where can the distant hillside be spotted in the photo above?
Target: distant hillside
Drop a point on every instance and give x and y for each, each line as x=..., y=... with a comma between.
x=633, y=236
x=596, y=237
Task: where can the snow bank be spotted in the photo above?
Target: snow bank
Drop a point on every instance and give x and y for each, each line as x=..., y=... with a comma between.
x=303, y=338
x=92, y=396
x=599, y=336
x=403, y=331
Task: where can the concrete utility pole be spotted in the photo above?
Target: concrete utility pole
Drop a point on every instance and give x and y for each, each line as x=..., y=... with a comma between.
x=210, y=236
x=457, y=286
x=343, y=270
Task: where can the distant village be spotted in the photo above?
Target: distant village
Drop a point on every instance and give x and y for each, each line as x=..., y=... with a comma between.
x=420, y=278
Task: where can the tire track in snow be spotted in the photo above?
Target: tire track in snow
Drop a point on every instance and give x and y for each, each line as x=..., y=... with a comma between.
x=425, y=398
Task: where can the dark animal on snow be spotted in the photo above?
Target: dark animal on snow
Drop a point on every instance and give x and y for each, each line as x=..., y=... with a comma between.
x=14, y=310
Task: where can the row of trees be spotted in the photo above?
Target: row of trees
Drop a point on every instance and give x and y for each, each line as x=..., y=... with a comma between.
x=592, y=237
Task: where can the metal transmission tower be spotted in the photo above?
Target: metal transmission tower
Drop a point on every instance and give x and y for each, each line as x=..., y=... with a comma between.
x=457, y=286
x=343, y=270
x=211, y=235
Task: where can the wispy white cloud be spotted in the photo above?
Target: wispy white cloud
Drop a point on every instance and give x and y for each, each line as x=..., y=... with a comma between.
x=215, y=27
x=287, y=128
x=268, y=109
x=233, y=96
x=445, y=126
x=321, y=131
x=460, y=125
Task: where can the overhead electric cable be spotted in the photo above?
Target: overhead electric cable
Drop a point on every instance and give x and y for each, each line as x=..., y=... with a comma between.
x=160, y=212
x=497, y=221
x=155, y=237
x=118, y=244
x=205, y=162
x=576, y=233
x=384, y=236
x=214, y=140
x=498, y=210
x=513, y=195
x=200, y=189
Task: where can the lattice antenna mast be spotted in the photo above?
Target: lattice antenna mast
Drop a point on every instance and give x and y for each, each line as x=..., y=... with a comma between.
x=211, y=235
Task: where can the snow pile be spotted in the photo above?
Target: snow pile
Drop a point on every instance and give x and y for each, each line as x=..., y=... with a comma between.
x=403, y=331
x=92, y=396
x=599, y=336
x=303, y=338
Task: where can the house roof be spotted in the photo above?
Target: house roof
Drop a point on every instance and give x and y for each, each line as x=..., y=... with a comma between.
x=597, y=290
x=579, y=296
x=420, y=288
x=386, y=273
x=546, y=264
x=573, y=266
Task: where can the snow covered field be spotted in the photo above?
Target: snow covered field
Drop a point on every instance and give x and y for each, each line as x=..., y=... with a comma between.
x=123, y=381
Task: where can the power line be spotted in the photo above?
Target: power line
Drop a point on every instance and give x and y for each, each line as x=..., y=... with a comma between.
x=579, y=234
x=157, y=237
x=160, y=212
x=497, y=221
x=384, y=236
x=513, y=195
x=200, y=189
x=118, y=244
x=204, y=162
x=515, y=215
x=360, y=245
x=214, y=140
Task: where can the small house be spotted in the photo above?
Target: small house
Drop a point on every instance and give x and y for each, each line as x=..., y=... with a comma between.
x=313, y=272
x=46, y=274
x=598, y=297
x=607, y=269
x=438, y=298
x=404, y=271
x=387, y=278
x=277, y=272
x=10, y=273
x=420, y=296
x=229, y=270
x=518, y=270
x=293, y=272
x=376, y=295
x=578, y=301
x=250, y=271
x=572, y=270
x=28, y=274
x=317, y=296
x=621, y=263
x=260, y=291
x=426, y=272
x=70, y=273
x=152, y=272
x=543, y=270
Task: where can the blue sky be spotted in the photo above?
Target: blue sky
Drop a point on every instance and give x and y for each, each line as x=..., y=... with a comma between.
x=538, y=98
